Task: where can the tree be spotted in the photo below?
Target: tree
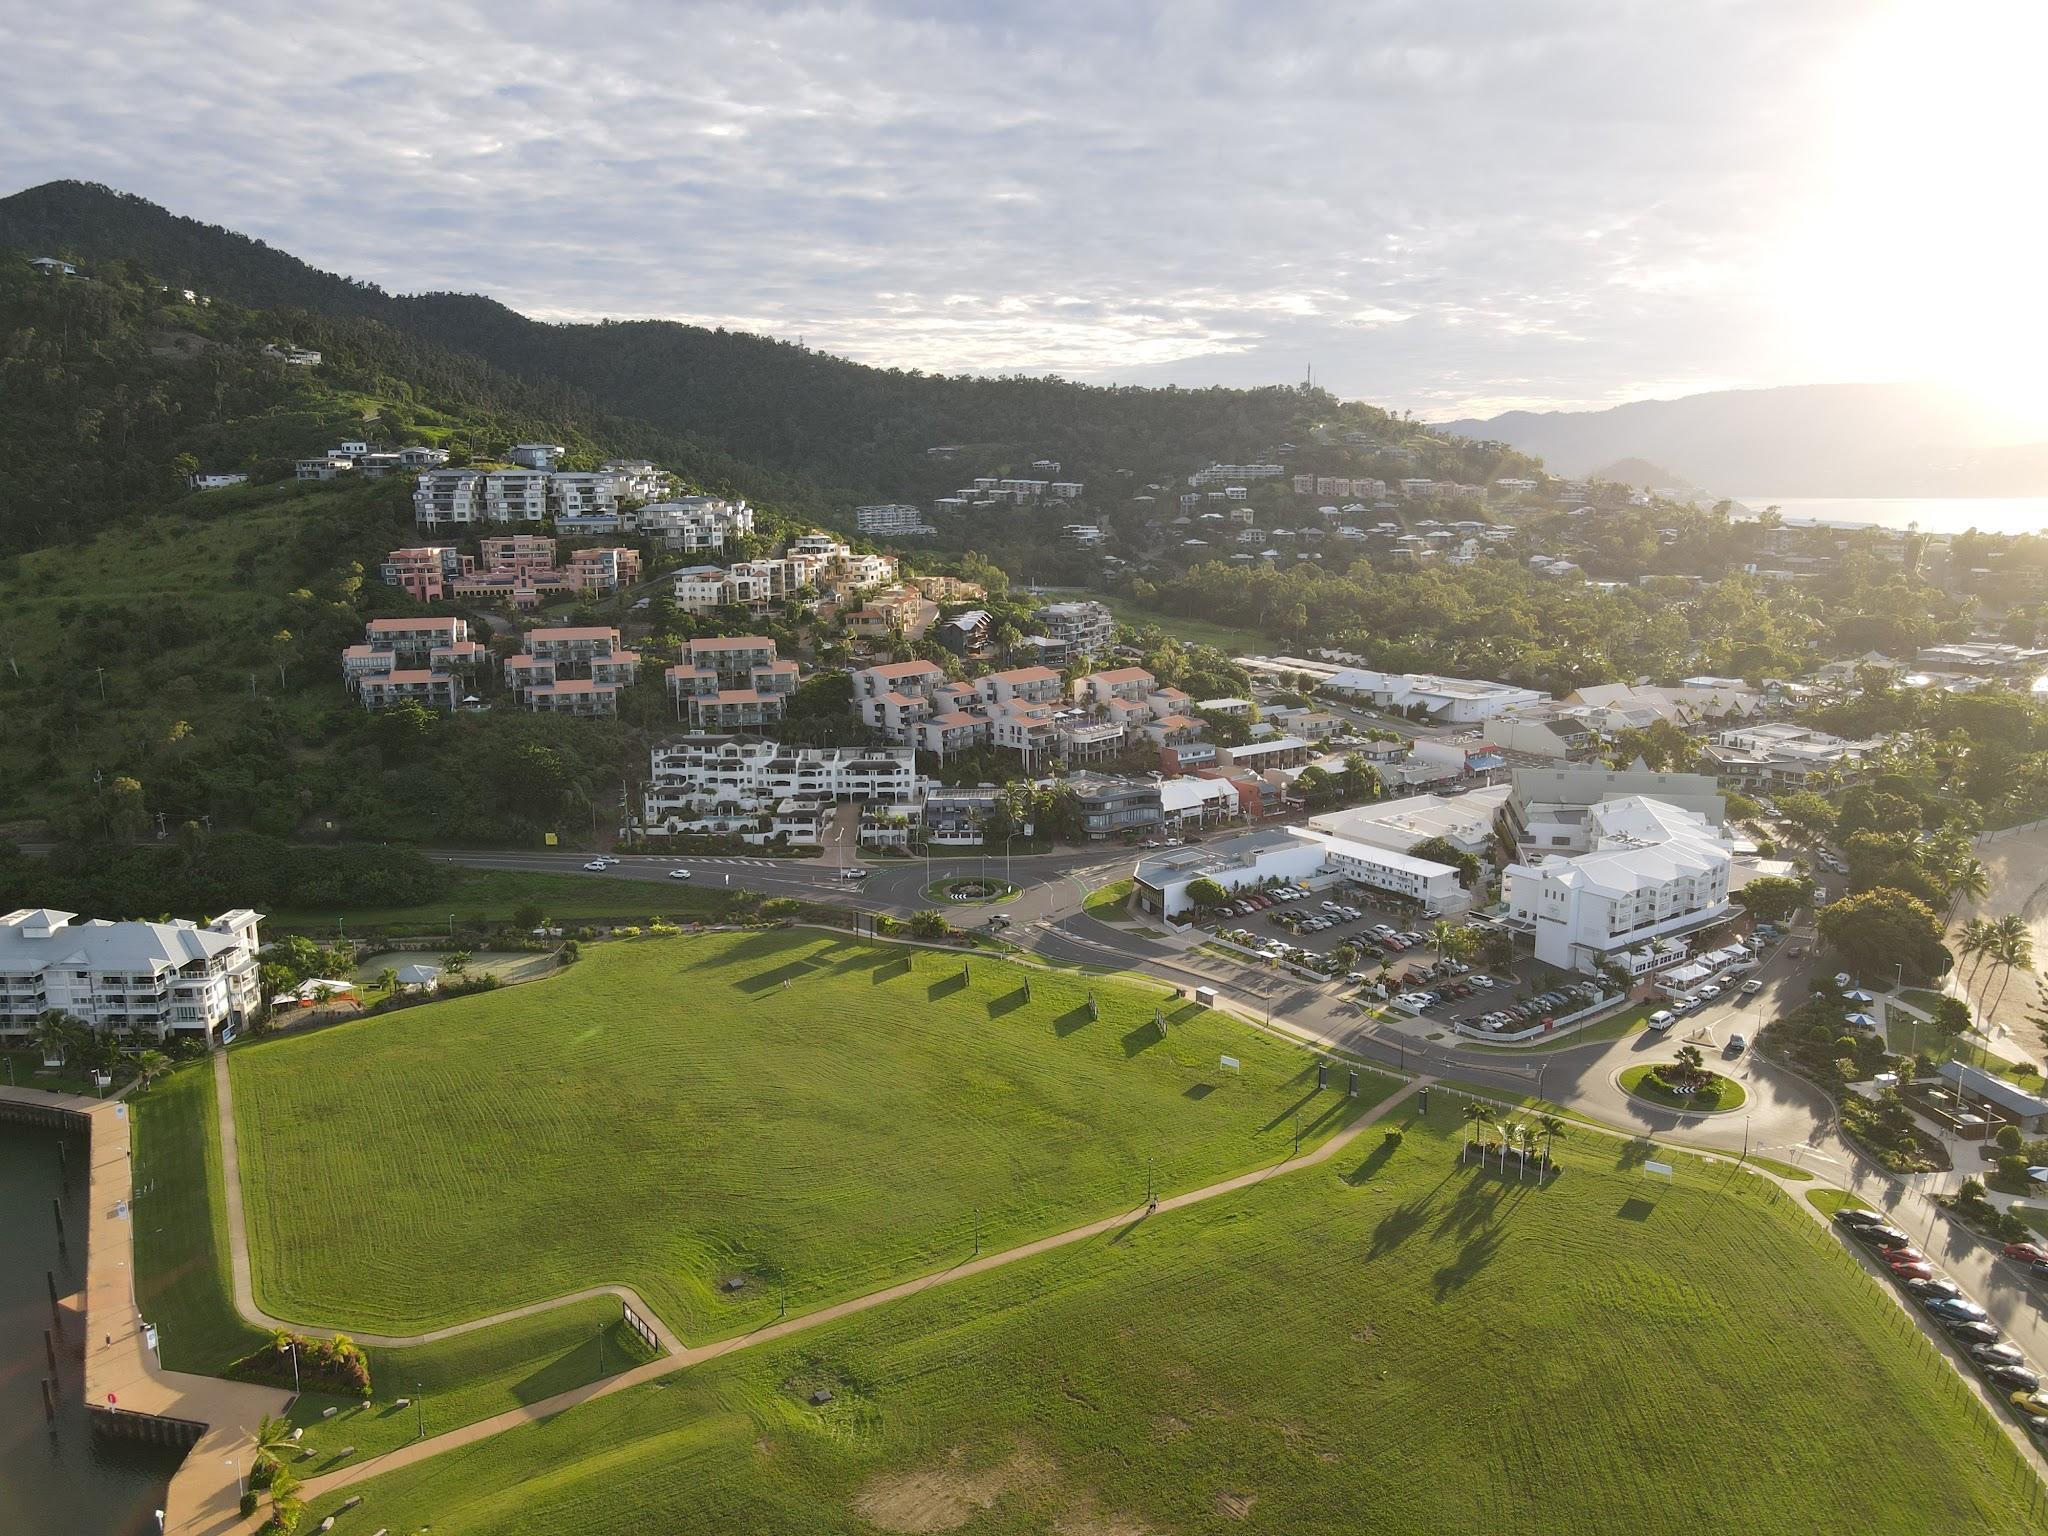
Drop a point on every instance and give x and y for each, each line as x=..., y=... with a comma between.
x=930, y=923
x=59, y=1035
x=1974, y=941
x=387, y=981
x=1476, y=1115
x=1882, y=928
x=150, y=1066
x=1807, y=813
x=273, y=1431
x=457, y=962
x=1691, y=1068
x=1206, y=893
x=1441, y=850
x=2014, y=951
x=287, y=1509
x=1774, y=898
x=528, y=916
x=1552, y=1129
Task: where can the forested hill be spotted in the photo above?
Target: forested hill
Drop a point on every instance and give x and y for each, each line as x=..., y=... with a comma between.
x=854, y=430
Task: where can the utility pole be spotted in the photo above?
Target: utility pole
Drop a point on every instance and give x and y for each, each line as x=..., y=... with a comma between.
x=419, y=1402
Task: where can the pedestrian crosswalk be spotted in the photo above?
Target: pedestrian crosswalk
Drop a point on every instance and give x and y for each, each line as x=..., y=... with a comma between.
x=759, y=863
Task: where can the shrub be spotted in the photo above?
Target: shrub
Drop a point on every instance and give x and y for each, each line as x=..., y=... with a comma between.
x=1972, y=1190
x=2013, y=1169
x=2009, y=1138
x=248, y=1503
x=2012, y=1229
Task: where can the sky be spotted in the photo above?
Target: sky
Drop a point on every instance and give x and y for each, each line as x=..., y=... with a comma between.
x=1441, y=206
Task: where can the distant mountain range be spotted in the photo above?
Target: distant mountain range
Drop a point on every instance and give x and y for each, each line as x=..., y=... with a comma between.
x=1804, y=440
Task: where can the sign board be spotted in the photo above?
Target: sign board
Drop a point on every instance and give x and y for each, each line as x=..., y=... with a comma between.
x=551, y=839
x=1230, y=1062
x=149, y=1336
x=120, y=1111
x=121, y=1210
x=1658, y=1168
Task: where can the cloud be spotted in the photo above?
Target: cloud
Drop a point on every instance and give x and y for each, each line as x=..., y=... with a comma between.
x=1435, y=203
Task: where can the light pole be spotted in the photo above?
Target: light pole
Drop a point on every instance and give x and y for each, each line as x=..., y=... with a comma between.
x=293, y=1346
x=419, y=1402
x=977, y=1230
x=241, y=1479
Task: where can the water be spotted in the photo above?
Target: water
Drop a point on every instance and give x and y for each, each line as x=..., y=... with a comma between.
x=72, y=1483
x=1934, y=514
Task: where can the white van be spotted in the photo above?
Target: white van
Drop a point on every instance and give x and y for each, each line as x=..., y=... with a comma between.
x=1663, y=1018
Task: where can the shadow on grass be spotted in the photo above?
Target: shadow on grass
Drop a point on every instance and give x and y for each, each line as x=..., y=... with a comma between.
x=1291, y=1109
x=889, y=970
x=1074, y=1018
x=1143, y=1038
x=1398, y=1225
x=1185, y=1012
x=1009, y=1002
x=1635, y=1153
x=1635, y=1208
x=1198, y=1091
x=1373, y=1162
x=946, y=986
x=766, y=981
x=1472, y=1258
x=755, y=948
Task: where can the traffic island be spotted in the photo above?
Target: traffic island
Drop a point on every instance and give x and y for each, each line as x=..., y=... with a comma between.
x=968, y=891
x=1698, y=1093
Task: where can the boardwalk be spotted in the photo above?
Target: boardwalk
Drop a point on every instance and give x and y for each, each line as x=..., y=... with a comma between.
x=122, y=1376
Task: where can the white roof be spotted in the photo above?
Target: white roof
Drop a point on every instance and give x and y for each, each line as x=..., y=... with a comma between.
x=33, y=939
x=1466, y=819
x=1186, y=794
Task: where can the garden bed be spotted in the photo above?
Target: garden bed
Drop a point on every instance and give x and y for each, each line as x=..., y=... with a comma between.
x=1718, y=1095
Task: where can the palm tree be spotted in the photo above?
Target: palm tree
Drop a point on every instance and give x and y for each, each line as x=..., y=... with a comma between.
x=57, y=1032
x=387, y=981
x=150, y=1066
x=457, y=962
x=1440, y=934
x=286, y=1507
x=1552, y=1129
x=1974, y=939
x=1692, y=1065
x=1475, y=1114
x=273, y=1434
x=2015, y=951
x=1967, y=879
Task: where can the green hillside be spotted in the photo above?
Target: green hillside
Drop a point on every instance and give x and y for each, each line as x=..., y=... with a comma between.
x=855, y=430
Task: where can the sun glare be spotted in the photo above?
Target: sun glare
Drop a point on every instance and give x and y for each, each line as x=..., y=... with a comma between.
x=1919, y=252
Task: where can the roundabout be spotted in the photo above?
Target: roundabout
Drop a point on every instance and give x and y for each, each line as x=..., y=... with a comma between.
x=1718, y=1096
x=971, y=891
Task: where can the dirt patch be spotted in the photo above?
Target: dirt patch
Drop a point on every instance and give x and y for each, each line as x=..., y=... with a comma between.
x=1236, y=1505
x=1364, y=1335
x=1169, y=1427
x=945, y=1497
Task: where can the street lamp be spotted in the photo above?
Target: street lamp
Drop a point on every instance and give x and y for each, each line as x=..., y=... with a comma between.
x=419, y=1402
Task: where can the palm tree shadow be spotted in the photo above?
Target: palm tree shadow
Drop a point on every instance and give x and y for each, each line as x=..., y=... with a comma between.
x=1472, y=1258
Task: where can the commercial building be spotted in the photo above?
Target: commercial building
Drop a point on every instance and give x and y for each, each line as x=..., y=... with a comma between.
x=1113, y=807
x=1548, y=809
x=1251, y=859
x=1467, y=822
x=1459, y=700
x=1651, y=871
x=718, y=782
x=1773, y=759
x=167, y=979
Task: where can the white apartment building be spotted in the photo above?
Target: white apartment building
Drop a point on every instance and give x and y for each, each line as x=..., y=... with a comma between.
x=164, y=979
x=695, y=523
x=516, y=495
x=1084, y=626
x=584, y=493
x=444, y=498
x=893, y=518
x=1652, y=871
x=1250, y=859
x=697, y=776
x=1782, y=757
x=536, y=455
x=1218, y=474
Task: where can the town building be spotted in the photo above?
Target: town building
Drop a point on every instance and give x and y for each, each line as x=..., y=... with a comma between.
x=1467, y=822
x=536, y=455
x=516, y=495
x=172, y=980
x=1651, y=871
x=1458, y=700
x=1775, y=759
x=603, y=570
x=425, y=573
x=730, y=783
x=732, y=683
x=1247, y=860
x=448, y=498
x=1084, y=626
x=215, y=482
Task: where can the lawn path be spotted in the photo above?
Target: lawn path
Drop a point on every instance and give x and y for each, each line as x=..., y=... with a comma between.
x=682, y=1357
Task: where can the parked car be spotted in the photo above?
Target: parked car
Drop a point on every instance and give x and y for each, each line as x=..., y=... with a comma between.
x=1857, y=1216
x=1954, y=1309
x=1927, y=1289
x=2031, y=1253
x=2015, y=1378
x=1664, y=1018
x=1974, y=1333
x=1882, y=1236
x=1997, y=1354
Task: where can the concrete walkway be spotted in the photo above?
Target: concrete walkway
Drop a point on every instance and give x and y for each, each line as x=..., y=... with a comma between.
x=686, y=1357
x=122, y=1376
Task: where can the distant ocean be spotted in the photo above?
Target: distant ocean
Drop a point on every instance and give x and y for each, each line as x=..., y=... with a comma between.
x=1934, y=514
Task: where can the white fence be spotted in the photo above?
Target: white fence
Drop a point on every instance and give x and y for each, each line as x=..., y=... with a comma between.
x=1585, y=1015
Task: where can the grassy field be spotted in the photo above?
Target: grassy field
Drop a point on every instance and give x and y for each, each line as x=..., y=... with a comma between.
x=182, y=1285
x=1224, y=637
x=805, y=1113
x=1111, y=902
x=1392, y=1343
x=489, y=895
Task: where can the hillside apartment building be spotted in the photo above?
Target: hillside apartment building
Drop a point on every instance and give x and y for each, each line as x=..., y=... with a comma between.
x=762, y=791
x=426, y=661
x=1023, y=710
x=572, y=670
x=174, y=979
x=734, y=682
x=813, y=560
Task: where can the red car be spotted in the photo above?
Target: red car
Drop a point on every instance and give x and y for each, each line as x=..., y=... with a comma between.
x=1921, y=1271
x=1904, y=1255
x=2026, y=1253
